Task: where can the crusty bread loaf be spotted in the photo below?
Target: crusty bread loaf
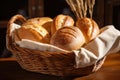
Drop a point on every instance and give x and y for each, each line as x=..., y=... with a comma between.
x=41, y=21
x=89, y=28
x=32, y=34
x=68, y=38
x=33, y=29
x=61, y=21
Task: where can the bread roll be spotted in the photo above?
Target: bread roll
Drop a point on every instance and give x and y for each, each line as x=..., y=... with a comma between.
x=88, y=27
x=35, y=34
x=36, y=29
x=41, y=21
x=68, y=38
x=61, y=21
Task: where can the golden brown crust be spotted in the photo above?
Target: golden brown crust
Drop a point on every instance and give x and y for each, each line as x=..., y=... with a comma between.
x=88, y=27
x=60, y=21
x=41, y=21
x=68, y=38
x=35, y=29
x=34, y=32
x=28, y=33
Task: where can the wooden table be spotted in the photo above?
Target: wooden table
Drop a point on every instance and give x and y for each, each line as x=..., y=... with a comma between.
x=11, y=70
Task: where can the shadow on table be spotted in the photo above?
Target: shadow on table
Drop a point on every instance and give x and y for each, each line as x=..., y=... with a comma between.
x=11, y=70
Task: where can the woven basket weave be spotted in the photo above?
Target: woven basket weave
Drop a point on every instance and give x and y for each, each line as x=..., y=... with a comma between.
x=52, y=63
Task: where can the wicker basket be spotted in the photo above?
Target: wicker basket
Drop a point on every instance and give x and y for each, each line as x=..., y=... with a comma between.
x=52, y=63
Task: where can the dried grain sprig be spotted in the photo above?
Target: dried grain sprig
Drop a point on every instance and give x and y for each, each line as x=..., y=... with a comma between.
x=80, y=7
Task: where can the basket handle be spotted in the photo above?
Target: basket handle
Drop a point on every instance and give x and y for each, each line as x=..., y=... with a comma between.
x=14, y=19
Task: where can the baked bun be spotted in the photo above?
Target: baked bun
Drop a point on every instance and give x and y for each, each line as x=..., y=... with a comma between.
x=38, y=34
x=88, y=27
x=61, y=21
x=68, y=38
x=36, y=29
x=42, y=21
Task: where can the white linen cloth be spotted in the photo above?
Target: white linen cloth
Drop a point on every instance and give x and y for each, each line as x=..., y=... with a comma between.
x=108, y=41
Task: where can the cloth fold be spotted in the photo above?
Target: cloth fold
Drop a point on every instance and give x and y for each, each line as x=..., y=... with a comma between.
x=108, y=41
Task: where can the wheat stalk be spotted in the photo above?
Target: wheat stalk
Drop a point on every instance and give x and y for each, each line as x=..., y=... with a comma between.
x=91, y=4
x=80, y=7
